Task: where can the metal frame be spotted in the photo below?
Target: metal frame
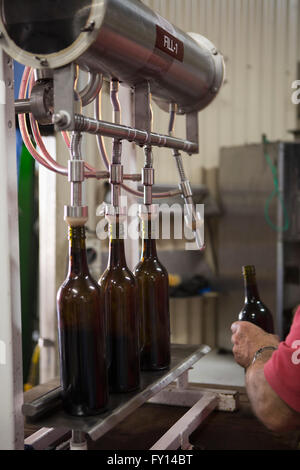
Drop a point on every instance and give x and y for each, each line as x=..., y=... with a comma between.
x=202, y=403
x=46, y=409
x=11, y=377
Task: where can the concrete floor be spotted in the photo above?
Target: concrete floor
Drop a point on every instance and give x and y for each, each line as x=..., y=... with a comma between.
x=218, y=369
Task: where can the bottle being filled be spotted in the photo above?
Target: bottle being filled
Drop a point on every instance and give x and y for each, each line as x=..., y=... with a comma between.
x=153, y=298
x=254, y=310
x=81, y=334
x=119, y=294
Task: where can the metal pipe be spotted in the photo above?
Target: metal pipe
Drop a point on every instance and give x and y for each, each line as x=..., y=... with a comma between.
x=123, y=39
x=114, y=90
x=22, y=106
x=184, y=185
x=103, y=153
x=78, y=440
x=92, y=89
x=140, y=137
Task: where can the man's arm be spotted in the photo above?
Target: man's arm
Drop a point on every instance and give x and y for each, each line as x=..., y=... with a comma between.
x=266, y=404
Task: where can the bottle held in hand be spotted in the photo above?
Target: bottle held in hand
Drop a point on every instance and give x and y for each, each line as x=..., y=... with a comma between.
x=254, y=310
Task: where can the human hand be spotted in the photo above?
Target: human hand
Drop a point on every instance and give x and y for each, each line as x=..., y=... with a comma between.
x=247, y=338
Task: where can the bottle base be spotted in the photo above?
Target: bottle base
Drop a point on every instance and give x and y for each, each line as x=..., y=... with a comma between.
x=124, y=390
x=154, y=368
x=81, y=412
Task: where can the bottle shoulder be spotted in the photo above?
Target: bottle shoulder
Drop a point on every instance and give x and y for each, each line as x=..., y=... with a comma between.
x=255, y=306
x=151, y=266
x=79, y=286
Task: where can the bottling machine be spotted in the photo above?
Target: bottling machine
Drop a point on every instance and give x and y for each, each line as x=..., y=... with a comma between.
x=120, y=41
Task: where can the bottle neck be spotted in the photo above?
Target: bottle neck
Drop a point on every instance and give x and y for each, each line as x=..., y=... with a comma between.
x=116, y=256
x=251, y=290
x=77, y=251
x=149, y=240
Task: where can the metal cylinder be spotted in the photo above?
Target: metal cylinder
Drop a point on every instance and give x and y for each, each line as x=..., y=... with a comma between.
x=123, y=39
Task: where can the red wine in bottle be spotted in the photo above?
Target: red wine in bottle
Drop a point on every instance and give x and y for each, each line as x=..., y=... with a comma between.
x=153, y=302
x=254, y=310
x=81, y=335
x=119, y=294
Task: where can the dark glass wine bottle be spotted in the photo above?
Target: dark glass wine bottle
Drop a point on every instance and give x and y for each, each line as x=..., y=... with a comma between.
x=254, y=310
x=153, y=301
x=81, y=335
x=119, y=294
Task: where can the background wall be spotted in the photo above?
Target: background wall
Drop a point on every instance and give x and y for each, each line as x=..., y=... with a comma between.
x=260, y=43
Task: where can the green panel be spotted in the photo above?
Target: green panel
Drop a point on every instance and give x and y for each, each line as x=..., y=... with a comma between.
x=28, y=254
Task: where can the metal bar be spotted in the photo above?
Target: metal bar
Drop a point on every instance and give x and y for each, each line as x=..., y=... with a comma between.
x=44, y=437
x=280, y=287
x=64, y=102
x=228, y=400
x=125, y=410
x=43, y=404
x=22, y=106
x=121, y=405
x=11, y=380
x=178, y=434
x=78, y=441
x=140, y=137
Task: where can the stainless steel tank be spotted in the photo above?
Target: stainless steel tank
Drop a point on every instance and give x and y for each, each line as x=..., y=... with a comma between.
x=123, y=39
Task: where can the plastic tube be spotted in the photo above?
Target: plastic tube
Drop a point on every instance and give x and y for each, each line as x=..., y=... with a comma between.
x=23, y=125
x=47, y=160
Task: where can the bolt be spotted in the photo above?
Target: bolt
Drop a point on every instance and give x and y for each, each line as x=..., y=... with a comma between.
x=88, y=28
x=61, y=119
x=43, y=61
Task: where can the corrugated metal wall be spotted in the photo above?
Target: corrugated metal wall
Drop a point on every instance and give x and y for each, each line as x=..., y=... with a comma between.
x=259, y=40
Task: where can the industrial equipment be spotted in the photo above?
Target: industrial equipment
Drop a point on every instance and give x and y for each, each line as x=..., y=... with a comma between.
x=120, y=41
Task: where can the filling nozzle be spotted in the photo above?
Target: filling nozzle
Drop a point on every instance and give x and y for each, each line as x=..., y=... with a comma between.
x=148, y=175
x=76, y=214
x=193, y=219
x=116, y=168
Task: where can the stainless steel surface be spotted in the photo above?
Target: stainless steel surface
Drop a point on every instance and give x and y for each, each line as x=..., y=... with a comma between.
x=121, y=405
x=73, y=213
x=142, y=106
x=92, y=89
x=22, y=106
x=64, y=99
x=41, y=101
x=185, y=187
x=148, y=176
x=11, y=379
x=43, y=404
x=192, y=127
x=116, y=173
x=118, y=131
x=75, y=170
x=125, y=40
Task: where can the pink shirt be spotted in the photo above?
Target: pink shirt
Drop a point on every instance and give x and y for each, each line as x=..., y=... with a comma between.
x=282, y=371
